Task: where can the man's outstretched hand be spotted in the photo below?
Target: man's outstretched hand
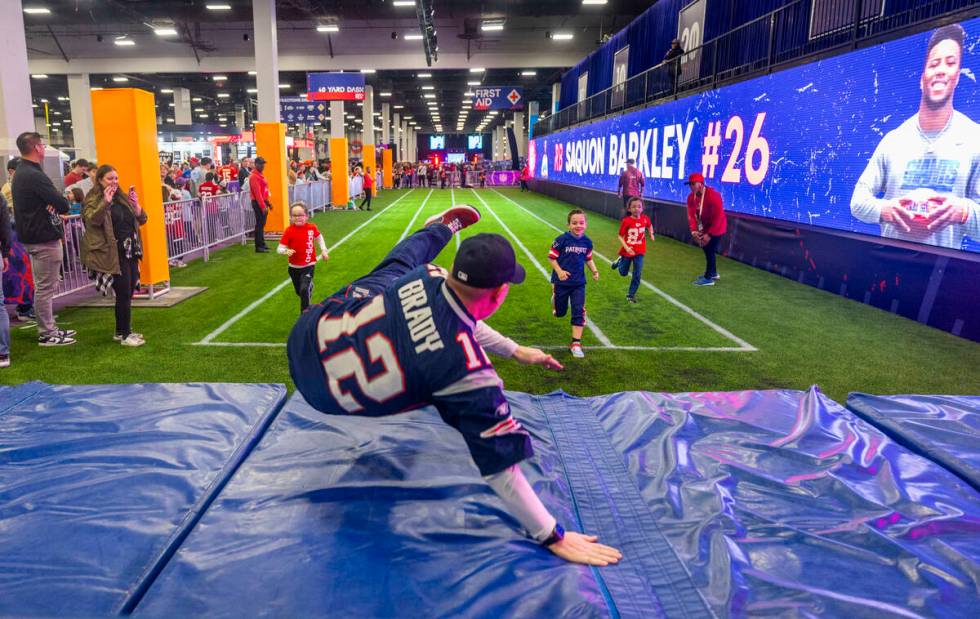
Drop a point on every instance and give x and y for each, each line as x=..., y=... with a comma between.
x=581, y=548
x=536, y=356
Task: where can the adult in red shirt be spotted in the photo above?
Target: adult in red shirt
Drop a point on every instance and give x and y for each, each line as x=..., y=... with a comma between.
x=631, y=183
x=78, y=171
x=368, y=188
x=525, y=175
x=706, y=218
x=633, y=244
x=261, y=203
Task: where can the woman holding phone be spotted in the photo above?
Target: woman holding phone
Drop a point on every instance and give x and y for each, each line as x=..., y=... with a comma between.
x=111, y=247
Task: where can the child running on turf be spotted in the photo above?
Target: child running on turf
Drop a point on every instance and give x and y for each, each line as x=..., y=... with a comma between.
x=568, y=256
x=297, y=244
x=633, y=241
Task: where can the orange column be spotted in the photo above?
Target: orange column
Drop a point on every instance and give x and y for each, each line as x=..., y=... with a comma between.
x=386, y=168
x=125, y=126
x=270, y=144
x=339, y=179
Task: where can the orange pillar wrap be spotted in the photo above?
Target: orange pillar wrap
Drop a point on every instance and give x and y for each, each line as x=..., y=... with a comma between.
x=270, y=144
x=371, y=161
x=339, y=179
x=386, y=168
x=125, y=124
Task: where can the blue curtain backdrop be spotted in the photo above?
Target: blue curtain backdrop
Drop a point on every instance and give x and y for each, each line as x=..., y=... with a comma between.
x=649, y=36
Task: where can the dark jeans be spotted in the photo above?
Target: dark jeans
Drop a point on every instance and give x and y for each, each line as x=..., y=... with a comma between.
x=624, y=268
x=626, y=202
x=303, y=284
x=123, y=285
x=710, y=249
x=561, y=296
x=260, y=216
x=524, y=185
x=367, y=199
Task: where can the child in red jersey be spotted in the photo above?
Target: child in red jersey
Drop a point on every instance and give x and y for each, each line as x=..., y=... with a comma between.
x=632, y=238
x=297, y=244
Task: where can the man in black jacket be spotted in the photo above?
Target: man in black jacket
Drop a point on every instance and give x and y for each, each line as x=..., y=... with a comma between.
x=673, y=60
x=38, y=207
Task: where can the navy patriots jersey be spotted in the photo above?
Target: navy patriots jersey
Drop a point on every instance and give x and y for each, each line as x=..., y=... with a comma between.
x=405, y=348
x=571, y=253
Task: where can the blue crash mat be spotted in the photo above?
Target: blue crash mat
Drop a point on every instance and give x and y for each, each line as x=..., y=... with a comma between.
x=728, y=504
x=944, y=428
x=99, y=483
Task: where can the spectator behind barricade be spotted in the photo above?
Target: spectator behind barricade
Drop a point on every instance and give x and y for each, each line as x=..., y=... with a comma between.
x=18, y=284
x=244, y=170
x=79, y=170
x=261, y=203
x=227, y=173
x=631, y=183
x=87, y=182
x=111, y=247
x=672, y=58
x=75, y=198
x=38, y=207
x=185, y=193
x=291, y=175
x=208, y=188
x=6, y=240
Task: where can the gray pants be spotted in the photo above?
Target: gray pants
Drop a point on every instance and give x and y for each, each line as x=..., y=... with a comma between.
x=46, y=266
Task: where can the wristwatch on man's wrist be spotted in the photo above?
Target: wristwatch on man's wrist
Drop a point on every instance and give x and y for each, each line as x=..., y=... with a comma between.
x=556, y=536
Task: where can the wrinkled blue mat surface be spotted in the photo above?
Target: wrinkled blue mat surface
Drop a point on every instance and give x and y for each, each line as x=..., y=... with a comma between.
x=726, y=504
x=99, y=483
x=220, y=501
x=944, y=428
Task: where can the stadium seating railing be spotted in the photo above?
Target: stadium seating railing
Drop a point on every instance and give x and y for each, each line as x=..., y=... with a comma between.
x=792, y=33
x=194, y=228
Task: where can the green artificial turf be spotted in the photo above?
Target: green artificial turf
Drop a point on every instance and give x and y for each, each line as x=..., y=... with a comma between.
x=800, y=335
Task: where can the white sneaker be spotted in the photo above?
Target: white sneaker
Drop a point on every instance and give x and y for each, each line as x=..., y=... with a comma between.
x=133, y=340
x=119, y=338
x=4, y=361
x=577, y=351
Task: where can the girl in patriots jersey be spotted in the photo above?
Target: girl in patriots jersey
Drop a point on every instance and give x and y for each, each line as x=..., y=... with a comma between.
x=297, y=243
x=568, y=256
x=632, y=238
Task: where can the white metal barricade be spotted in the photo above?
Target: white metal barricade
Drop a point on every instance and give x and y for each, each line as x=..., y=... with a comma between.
x=74, y=275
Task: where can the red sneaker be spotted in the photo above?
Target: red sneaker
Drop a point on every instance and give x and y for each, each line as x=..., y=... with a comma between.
x=457, y=217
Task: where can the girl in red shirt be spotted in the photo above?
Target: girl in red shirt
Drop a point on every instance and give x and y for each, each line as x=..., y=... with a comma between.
x=632, y=239
x=297, y=243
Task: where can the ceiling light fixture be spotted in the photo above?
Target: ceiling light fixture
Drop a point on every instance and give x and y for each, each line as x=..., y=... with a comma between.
x=195, y=99
x=403, y=3
x=385, y=94
x=328, y=28
x=595, y=2
x=492, y=26
x=253, y=72
x=165, y=32
x=219, y=78
x=477, y=70
x=40, y=76
x=119, y=79
x=428, y=88
x=218, y=7
x=429, y=95
x=472, y=83
x=223, y=95
x=562, y=36
x=252, y=91
x=284, y=86
x=423, y=75
x=37, y=10
x=528, y=73
x=166, y=91
x=412, y=37
x=124, y=42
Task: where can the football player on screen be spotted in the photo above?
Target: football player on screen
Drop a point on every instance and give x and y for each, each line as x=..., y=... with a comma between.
x=923, y=181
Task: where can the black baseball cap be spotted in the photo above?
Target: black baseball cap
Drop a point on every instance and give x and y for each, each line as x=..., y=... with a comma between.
x=487, y=261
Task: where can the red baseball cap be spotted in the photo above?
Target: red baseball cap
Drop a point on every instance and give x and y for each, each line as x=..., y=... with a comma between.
x=697, y=177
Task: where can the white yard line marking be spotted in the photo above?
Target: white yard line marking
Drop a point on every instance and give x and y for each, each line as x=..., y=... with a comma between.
x=414, y=217
x=588, y=322
x=209, y=338
x=743, y=345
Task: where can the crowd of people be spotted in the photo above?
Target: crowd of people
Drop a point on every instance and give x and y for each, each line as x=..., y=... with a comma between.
x=441, y=175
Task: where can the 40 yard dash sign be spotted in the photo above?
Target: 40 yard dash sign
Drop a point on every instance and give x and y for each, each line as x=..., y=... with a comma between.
x=498, y=98
x=334, y=87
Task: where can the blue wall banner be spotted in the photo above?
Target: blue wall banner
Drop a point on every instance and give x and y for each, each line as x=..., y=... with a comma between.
x=498, y=98
x=879, y=141
x=299, y=110
x=335, y=86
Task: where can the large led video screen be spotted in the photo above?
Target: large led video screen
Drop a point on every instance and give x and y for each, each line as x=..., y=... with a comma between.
x=879, y=141
x=437, y=142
